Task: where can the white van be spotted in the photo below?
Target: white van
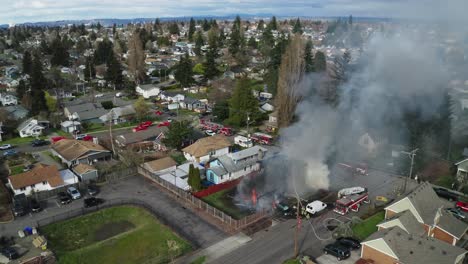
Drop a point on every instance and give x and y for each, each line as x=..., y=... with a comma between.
x=315, y=207
x=243, y=141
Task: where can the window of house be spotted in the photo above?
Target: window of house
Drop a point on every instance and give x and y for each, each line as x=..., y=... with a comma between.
x=245, y=168
x=33, y=185
x=44, y=182
x=23, y=189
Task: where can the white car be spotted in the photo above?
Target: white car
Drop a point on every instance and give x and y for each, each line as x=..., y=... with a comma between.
x=80, y=136
x=210, y=132
x=74, y=193
x=6, y=146
x=315, y=207
x=98, y=95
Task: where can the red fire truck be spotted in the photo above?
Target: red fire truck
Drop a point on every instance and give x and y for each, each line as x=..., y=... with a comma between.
x=207, y=125
x=262, y=138
x=227, y=131
x=351, y=202
x=355, y=169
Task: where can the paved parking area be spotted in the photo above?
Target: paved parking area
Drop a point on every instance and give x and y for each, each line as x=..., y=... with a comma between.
x=179, y=218
x=329, y=259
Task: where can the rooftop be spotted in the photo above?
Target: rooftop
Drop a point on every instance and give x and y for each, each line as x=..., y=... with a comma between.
x=203, y=146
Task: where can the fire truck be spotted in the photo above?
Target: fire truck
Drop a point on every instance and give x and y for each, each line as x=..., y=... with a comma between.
x=227, y=131
x=262, y=138
x=207, y=125
x=355, y=169
x=351, y=202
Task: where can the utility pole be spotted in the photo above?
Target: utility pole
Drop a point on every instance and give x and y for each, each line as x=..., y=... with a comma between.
x=296, y=233
x=248, y=124
x=111, y=117
x=411, y=156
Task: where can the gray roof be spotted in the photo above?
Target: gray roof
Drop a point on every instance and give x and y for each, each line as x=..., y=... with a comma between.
x=120, y=112
x=231, y=166
x=454, y=226
x=87, y=111
x=17, y=111
x=415, y=249
x=190, y=100
x=147, y=86
x=144, y=135
x=247, y=152
x=408, y=220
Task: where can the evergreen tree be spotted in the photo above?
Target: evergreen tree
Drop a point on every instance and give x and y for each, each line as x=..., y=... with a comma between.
x=261, y=24
x=350, y=20
x=206, y=26
x=191, y=175
x=221, y=110
x=21, y=89
x=104, y=52
x=243, y=103
x=114, y=29
x=114, y=72
x=320, y=62
x=196, y=180
x=211, y=68
x=136, y=58
x=178, y=133
x=60, y=55
x=174, y=28
x=199, y=42
x=308, y=58
x=27, y=63
x=297, y=29
x=252, y=43
x=184, y=71
x=273, y=25
x=235, y=41
x=191, y=29
x=157, y=25
x=38, y=83
x=90, y=70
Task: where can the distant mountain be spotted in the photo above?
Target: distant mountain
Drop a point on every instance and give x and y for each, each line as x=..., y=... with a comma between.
x=4, y=26
x=124, y=21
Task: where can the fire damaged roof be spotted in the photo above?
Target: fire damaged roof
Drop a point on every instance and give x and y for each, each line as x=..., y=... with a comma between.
x=409, y=248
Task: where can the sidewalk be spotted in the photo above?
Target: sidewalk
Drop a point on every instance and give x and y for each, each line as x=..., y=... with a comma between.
x=219, y=249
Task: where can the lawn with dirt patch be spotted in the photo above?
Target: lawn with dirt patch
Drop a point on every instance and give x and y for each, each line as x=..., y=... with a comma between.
x=223, y=200
x=124, y=234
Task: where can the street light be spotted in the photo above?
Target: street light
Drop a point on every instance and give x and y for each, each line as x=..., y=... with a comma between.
x=411, y=156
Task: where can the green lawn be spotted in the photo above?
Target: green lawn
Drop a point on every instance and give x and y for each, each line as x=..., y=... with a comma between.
x=75, y=240
x=223, y=202
x=20, y=140
x=368, y=226
x=292, y=261
x=199, y=260
x=16, y=170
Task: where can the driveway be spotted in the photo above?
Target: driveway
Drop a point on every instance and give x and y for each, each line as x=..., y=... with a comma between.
x=179, y=218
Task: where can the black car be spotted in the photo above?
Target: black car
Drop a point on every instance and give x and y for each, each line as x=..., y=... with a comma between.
x=92, y=201
x=444, y=193
x=337, y=250
x=35, y=206
x=39, y=142
x=63, y=198
x=349, y=243
x=92, y=190
x=285, y=211
x=10, y=253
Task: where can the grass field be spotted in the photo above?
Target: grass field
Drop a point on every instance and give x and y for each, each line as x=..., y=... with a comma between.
x=367, y=227
x=222, y=200
x=16, y=170
x=123, y=234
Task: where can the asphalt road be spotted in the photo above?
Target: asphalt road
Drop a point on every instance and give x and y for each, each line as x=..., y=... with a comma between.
x=199, y=232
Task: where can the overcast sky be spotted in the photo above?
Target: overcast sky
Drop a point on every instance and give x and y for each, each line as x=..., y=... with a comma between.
x=19, y=11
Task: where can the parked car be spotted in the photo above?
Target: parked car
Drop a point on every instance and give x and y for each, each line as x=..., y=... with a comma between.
x=165, y=123
x=159, y=113
x=444, y=193
x=337, y=250
x=462, y=205
x=57, y=139
x=6, y=146
x=92, y=201
x=10, y=253
x=63, y=198
x=349, y=243
x=9, y=153
x=210, y=133
x=284, y=210
x=39, y=142
x=92, y=190
x=80, y=137
x=35, y=206
x=99, y=95
x=28, y=167
x=74, y=193
x=456, y=212
x=315, y=207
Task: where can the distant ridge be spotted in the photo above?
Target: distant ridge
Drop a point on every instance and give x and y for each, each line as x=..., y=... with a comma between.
x=124, y=21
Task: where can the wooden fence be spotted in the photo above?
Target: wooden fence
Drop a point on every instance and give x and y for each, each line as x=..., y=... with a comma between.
x=227, y=220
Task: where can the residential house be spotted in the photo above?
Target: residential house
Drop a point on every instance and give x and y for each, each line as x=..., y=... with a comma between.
x=17, y=112
x=206, y=148
x=32, y=128
x=84, y=111
x=148, y=90
x=40, y=178
x=73, y=152
x=70, y=126
x=86, y=172
x=119, y=114
x=395, y=245
x=192, y=104
x=172, y=97
x=267, y=107
x=161, y=166
x=149, y=138
x=179, y=176
x=8, y=99
x=232, y=166
x=462, y=171
x=428, y=210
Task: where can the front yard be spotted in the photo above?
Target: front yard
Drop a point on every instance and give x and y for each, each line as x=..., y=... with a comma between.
x=364, y=229
x=224, y=201
x=124, y=234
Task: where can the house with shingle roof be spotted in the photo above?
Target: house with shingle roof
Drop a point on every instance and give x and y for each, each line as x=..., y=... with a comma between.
x=206, y=148
x=161, y=166
x=428, y=210
x=395, y=245
x=85, y=172
x=40, y=178
x=148, y=138
x=73, y=152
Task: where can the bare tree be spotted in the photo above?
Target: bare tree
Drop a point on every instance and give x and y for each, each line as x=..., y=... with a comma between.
x=136, y=57
x=291, y=73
